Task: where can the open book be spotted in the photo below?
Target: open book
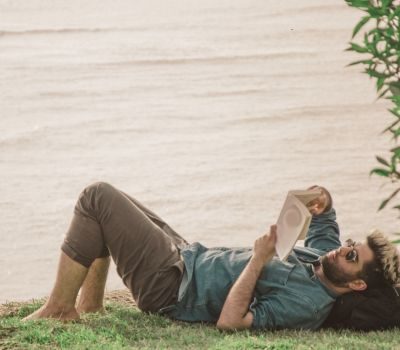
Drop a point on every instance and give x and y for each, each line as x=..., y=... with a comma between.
x=294, y=220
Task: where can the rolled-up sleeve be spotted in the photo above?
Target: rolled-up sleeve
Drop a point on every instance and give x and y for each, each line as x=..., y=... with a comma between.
x=323, y=233
x=264, y=316
x=273, y=312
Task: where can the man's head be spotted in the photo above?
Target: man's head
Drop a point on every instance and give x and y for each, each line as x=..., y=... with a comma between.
x=358, y=266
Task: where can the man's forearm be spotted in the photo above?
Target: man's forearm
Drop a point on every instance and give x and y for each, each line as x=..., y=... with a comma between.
x=235, y=312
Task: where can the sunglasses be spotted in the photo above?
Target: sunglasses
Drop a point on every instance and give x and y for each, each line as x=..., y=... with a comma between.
x=351, y=255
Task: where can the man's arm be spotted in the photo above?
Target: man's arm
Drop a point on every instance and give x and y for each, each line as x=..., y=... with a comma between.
x=235, y=313
x=323, y=233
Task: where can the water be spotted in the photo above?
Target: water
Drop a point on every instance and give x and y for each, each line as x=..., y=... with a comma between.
x=208, y=112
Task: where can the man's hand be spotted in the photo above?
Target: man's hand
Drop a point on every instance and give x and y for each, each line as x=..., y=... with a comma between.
x=320, y=204
x=264, y=246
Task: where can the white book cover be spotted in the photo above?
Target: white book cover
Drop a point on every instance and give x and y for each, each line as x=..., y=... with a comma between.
x=294, y=220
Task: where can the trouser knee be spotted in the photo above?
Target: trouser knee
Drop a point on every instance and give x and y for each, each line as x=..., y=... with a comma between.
x=96, y=195
x=97, y=188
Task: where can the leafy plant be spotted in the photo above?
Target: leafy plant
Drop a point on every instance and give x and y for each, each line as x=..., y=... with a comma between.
x=381, y=46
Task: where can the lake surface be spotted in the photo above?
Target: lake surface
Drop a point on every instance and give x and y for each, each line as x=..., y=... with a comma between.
x=206, y=111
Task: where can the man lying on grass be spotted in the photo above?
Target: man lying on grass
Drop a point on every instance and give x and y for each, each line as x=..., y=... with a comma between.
x=234, y=288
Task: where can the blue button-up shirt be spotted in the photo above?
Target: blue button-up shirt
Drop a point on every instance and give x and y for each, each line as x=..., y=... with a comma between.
x=287, y=293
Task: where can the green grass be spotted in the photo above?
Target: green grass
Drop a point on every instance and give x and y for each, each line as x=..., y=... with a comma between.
x=125, y=327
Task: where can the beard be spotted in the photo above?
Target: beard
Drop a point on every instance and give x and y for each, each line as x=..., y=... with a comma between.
x=334, y=274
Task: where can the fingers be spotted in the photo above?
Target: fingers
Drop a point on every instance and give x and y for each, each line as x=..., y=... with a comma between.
x=264, y=246
x=313, y=208
x=268, y=239
x=271, y=235
x=317, y=205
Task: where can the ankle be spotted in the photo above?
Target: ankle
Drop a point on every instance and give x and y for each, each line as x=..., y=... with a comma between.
x=89, y=307
x=59, y=305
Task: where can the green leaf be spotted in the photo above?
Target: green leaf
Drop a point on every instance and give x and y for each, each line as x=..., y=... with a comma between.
x=395, y=88
x=361, y=4
x=357, y=48
x=396, y=132
x=375, y=74
x=396, y=100
x=388, y=33
x=382, y=161
x=395, y=83
x=380, y=172
x=392, y=15
x=360, y=24
x=360, y=61
x=383, y=93
x=395, y=111
x=385, y=4
x=375, y=12
x=387, y=200
x=379, y=83
x=391, y=126
x=383, y=204
x=394, y=159
x=396, y=151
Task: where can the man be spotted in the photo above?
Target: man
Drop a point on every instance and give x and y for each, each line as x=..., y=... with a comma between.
x=234, y=288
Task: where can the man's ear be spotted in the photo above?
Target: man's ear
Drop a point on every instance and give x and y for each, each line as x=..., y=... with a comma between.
x=358, y=285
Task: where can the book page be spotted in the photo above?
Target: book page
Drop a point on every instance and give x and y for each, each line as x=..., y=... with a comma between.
x=293, y=221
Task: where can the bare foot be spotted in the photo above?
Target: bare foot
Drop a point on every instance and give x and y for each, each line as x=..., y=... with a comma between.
x=50, y=312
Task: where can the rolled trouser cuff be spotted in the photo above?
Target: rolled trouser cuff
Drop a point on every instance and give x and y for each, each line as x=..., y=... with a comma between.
x=74, y=255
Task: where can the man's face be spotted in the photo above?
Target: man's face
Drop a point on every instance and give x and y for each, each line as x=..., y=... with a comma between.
x=342, y=265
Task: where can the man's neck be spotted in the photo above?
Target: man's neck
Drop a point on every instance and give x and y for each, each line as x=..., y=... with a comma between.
x=319, y=272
